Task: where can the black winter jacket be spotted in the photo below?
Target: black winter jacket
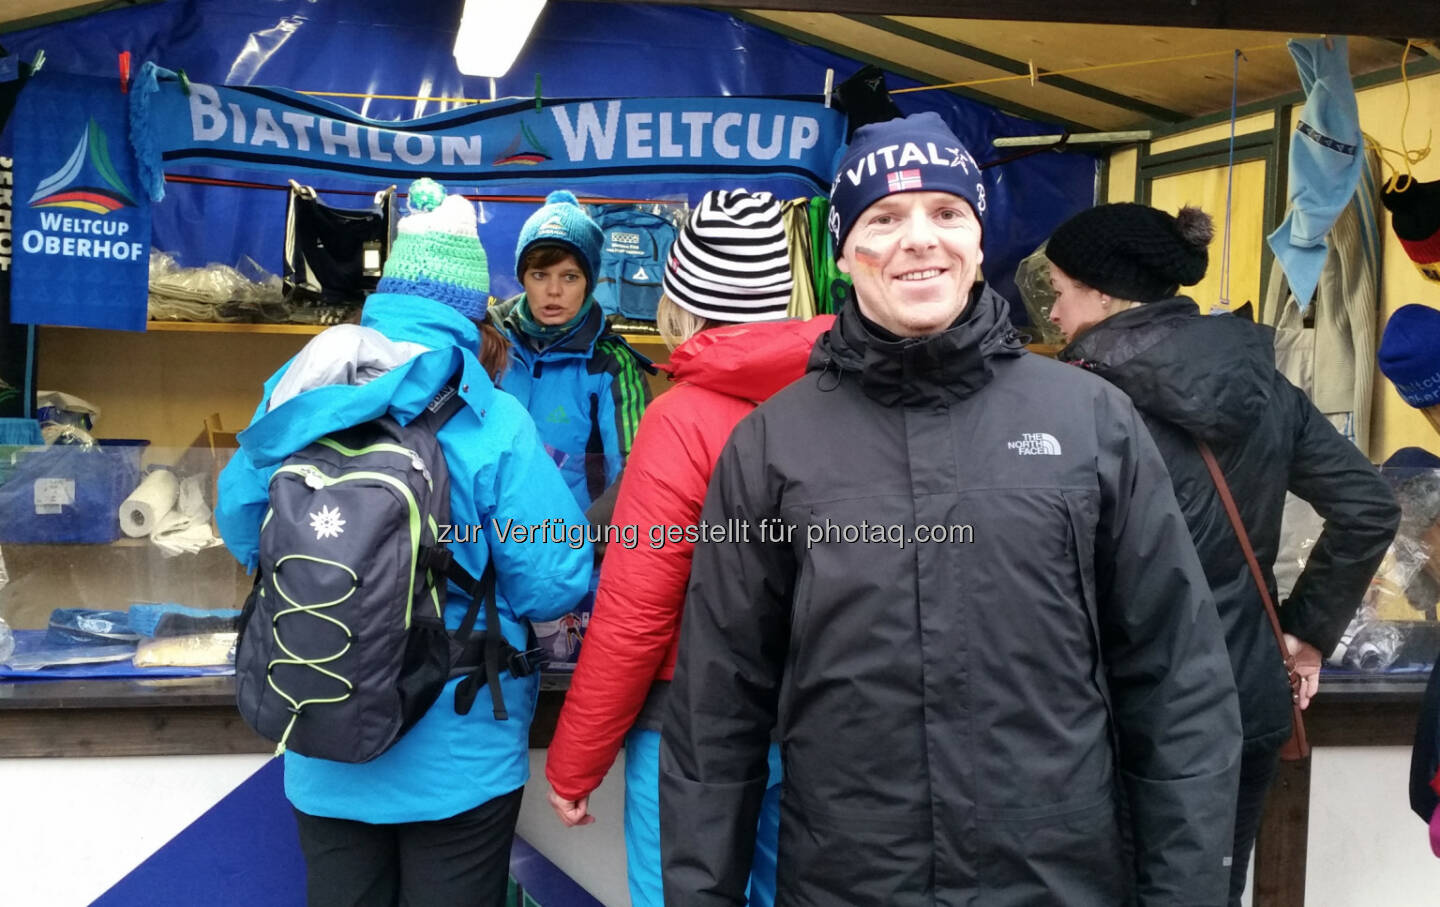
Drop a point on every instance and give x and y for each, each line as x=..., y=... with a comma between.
x=1214, y=378
x=957, y=718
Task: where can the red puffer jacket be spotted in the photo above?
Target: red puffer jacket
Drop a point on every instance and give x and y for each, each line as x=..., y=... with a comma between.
x=721, y=375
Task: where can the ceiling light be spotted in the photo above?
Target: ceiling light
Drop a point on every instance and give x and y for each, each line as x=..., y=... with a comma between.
x=492, y=33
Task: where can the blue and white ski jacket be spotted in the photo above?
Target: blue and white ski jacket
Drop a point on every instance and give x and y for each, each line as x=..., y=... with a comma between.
x=586, y=393
x=499, y=472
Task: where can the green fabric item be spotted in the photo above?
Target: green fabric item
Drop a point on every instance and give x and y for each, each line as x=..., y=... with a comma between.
x=439, y=257
x=631, y=384
x=831, y=284
x=437, y=252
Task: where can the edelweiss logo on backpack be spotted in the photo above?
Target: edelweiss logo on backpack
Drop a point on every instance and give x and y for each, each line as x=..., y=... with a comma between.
x=1036, y=444
x=327, y=523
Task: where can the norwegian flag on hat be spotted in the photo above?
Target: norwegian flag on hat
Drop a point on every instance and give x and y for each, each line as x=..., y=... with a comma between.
x=901, y=180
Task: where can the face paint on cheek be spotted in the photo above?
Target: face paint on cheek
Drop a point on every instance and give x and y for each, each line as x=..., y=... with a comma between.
x=867, y=257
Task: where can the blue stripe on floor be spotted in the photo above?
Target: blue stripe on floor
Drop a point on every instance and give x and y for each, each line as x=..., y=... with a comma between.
x=245, y=851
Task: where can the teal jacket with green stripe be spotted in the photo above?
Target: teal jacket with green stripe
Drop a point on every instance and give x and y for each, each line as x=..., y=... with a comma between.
x=586, y=392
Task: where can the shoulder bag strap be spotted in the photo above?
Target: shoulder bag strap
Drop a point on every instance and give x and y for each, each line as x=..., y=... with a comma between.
x=1233, y=513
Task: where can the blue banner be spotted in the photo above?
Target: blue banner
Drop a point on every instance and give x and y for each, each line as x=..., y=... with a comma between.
x=81, y=243
x=507, y=141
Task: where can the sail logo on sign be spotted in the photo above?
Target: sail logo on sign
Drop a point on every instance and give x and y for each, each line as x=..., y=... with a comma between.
x=88, y=183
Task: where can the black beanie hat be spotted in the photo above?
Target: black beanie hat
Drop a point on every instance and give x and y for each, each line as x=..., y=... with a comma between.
x=1415, y=214
x=1133, y=252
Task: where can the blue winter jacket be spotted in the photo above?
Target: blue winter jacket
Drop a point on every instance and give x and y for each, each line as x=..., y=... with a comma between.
x=446, y=763
x=586, y=392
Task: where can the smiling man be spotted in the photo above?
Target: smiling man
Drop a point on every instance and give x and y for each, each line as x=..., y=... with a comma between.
x=960, y=714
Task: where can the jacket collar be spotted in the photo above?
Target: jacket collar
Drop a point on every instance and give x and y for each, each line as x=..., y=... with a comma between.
x=415, y=319
x=402, y=391
x=579, y=341
x=751, y=360
x=921, y=371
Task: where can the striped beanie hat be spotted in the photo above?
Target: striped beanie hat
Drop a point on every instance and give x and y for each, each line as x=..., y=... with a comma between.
x=731, y=261
x=437, y=252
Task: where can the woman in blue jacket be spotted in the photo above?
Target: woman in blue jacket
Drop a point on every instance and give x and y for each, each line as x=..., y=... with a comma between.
x=431, y=819
x=583, y=385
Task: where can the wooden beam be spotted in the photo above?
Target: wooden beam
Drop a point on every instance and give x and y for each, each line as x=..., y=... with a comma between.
x=26, y=14
x=924, y=78
x=1337, y=17
x=1019, y=67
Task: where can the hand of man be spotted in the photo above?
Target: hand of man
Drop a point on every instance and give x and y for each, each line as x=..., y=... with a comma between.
x=1307, y=665
x=571, y=812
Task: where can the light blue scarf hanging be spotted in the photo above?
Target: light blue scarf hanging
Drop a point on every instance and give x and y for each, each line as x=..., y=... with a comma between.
x=1325, y=162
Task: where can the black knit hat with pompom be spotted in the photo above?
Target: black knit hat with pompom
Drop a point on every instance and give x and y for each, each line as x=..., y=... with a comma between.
x=1133, y=252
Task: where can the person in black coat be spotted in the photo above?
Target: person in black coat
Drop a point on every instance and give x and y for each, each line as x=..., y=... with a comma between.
x=966, y=604
x=1116, y=271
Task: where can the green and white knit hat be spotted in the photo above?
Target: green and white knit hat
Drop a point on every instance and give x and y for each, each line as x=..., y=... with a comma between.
x=437, y=252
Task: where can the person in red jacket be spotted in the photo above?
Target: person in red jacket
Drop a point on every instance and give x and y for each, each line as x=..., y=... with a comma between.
x=727, y=286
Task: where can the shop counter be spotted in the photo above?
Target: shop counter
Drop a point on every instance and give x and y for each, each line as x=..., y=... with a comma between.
x=196, y=716
x=1376, y=710
x=181, y=716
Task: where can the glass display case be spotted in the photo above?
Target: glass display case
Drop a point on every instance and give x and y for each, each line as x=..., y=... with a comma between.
x=1395, y=631
x=113, y=568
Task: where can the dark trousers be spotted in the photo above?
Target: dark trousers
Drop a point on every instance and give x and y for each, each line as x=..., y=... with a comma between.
x=1257, y=769
x=462, y=861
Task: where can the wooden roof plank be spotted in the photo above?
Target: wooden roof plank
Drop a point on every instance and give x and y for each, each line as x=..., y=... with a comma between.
x=1018, y=67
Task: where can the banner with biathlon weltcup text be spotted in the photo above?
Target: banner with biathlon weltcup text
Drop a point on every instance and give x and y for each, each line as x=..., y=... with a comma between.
x=570, y=141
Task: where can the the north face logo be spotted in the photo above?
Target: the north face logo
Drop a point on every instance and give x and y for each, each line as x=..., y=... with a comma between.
x=1036, y=444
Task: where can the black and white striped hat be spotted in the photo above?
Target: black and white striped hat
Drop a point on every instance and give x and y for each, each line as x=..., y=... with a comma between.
x=731, y=261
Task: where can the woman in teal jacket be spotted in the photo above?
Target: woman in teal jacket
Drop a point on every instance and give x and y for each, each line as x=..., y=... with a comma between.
x=583, y=385
x=431, y=819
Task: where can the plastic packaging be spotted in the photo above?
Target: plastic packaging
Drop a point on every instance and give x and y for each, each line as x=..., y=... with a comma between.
x=1032, y=279
x=89, y=626
x=7, y=641
x=198, y=650
x=69, y=493
x=1396, y=627
x=60, y=408
x=216, y=292
x=7, y=636
x=1368, y=644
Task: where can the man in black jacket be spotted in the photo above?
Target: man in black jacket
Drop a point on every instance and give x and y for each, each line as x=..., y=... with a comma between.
x=967, y=605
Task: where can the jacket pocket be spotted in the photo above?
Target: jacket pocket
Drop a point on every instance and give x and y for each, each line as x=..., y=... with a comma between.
x=1081, y=509
x=1080, y=852
x=829, y=859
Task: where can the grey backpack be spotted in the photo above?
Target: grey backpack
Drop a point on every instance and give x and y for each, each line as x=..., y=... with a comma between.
x=343, y=645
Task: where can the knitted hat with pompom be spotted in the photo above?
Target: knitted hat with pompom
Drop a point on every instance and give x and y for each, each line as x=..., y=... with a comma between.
x=562, y=222
x=437, y=252
x=1133, y=252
